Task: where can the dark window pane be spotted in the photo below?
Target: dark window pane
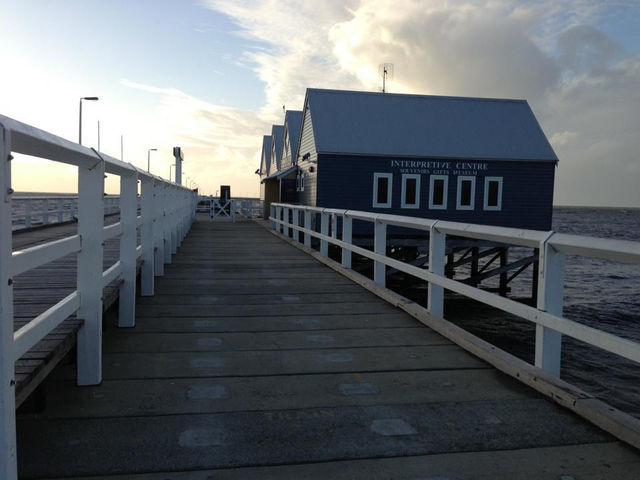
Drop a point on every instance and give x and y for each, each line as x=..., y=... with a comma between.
x=438, y=192
x=410, y=191
x=493, y=194
x=383, y=189
x=465, y=195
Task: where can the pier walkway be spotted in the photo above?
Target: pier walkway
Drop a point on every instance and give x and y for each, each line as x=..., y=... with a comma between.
x=254, y=360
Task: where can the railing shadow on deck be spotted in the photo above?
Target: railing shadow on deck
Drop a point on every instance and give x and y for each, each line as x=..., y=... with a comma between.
x=302, y=223
x=167, y=211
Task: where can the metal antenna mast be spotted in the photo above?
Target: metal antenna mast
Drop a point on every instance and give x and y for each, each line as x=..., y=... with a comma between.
x=385, y=70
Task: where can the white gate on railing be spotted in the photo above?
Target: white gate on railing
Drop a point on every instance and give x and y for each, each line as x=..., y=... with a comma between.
x=246, y=207
x=547, y=316
x=167, y=211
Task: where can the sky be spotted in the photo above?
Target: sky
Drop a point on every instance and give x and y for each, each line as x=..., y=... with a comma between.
x=212, y=77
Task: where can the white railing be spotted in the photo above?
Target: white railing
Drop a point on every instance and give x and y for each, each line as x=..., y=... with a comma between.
x=553, y=247
x=220, y=209
x=35, y=210
x=167, y=211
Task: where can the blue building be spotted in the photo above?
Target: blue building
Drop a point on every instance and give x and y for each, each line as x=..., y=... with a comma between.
x=280, y=182
x=265, y=163
x=475, y=160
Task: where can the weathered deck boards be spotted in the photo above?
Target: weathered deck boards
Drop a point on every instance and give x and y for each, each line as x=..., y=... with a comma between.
x=244, y=367
x=41, y=288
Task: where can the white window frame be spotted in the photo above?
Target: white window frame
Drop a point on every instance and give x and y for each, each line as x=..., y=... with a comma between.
x=302, y=175
x=462, y=178
x=498, y=207
x=403, y=198
x=445, y=191
x=389, y=177
x=298, y=182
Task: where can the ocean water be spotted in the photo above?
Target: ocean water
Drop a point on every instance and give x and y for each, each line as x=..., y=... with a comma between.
x=599, y=293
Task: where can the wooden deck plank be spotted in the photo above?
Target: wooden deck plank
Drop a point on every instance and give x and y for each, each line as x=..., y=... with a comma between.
x=303, y=388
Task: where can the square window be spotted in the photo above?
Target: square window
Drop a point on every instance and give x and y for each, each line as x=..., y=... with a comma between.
x=382, y=190
x=438, y=189
x=410, y=191
x=465, y=198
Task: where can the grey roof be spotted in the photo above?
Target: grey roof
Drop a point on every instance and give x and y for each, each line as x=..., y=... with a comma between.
x=266, y=154
x=367, y=123
x=293, y=123
x=281, y=173
x=276, y=137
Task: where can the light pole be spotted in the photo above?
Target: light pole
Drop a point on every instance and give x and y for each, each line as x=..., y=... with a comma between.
x=149, y=158
x=80, y=117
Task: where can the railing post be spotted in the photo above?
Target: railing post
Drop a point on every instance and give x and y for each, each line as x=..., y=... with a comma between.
x=334, y=226
x=324, y=230
x=279, y=217
x=90, y=229
x=8, y=463
x=550, y=299
x=158, y=229
x=27, y=213
x=146, y=237
x=45, y=212
x=380, y=247
x=296, y=220
x=285, y=218
x=128, y=241
x=437, y=251
x=307, y=226
x=272, y=214
x=59, y=207
x=347, y=237
x=166, y=222
x=173, y=219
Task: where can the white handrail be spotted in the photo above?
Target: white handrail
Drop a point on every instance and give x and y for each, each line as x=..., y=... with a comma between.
x=167, y=212
x=550, y=324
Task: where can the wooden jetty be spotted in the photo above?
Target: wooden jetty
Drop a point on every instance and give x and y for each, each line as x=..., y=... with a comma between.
x=254, y=360
x=39, y=289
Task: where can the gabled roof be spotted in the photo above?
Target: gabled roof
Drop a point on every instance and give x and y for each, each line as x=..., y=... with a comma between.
x=367, y=123
x=293, y=123
x=276, y=139
x=265, y=156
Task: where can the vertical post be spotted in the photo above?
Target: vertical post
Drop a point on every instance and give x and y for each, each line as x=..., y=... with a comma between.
x=550, y=300
x=59, y=207
x=380, y=247
x=296, y=222
x=334, y=225
x=437, y=254
x=128, y=240
x=45, y=211
x=27, y=213
x=324, y=230
x=347, y=237
x=166, y=222
x=90, y=229
x=158, y=232
x=272, y=214
x=146, y=207
x=8, y=463
x=173, y=227
x=307, y=226
x=285, y=218
x=279, y=217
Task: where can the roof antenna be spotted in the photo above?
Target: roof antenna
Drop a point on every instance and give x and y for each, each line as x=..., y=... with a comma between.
x=385, y=70
x=284, y=109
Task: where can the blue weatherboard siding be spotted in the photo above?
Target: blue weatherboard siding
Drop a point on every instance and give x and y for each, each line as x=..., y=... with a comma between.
x=527, y=189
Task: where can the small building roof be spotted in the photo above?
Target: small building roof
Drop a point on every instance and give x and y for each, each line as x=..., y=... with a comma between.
x=371, y=123
x=281, y=174
x=277, y=132
x=265, y=156
x=293, y=124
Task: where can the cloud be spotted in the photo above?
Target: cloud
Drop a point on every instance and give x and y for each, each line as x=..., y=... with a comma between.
x=582, y=85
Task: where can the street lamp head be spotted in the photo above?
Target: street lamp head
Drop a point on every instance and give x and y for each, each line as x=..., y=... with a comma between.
x=89, y=98
x=153, y=149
